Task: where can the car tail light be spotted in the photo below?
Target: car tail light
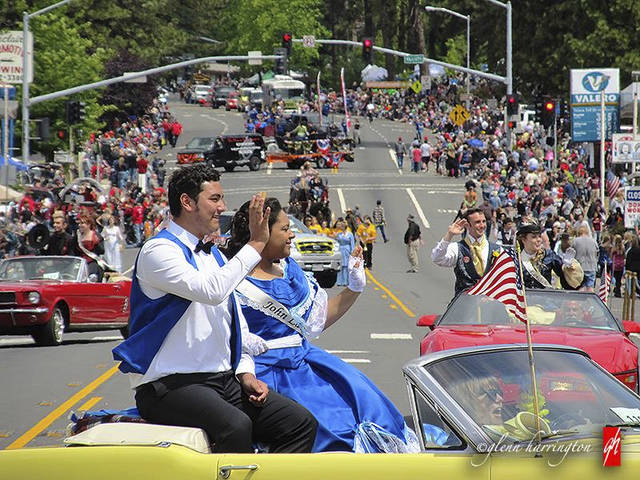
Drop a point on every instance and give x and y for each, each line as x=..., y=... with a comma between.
x=630, y=379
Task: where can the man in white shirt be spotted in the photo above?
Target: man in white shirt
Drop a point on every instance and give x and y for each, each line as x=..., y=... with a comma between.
x=472, y=256
x=425, y=153
x=189, y=354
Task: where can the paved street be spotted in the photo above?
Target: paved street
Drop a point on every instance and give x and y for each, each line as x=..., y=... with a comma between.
x=378, y=335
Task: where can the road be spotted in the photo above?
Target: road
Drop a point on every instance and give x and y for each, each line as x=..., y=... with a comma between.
x=378, y=335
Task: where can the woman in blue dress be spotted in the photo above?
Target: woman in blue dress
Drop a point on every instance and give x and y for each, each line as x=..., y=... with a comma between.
x=347, y=243
x=284, y=307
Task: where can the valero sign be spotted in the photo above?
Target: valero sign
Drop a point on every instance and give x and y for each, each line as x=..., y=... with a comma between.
x=587, y=86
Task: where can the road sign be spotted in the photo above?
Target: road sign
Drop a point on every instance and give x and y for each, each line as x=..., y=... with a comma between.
x=631, y=207
x=11, y=53
x=255, y=53
x=586, y=85
x=459, y=115
x=416, y=86
x=142, y=79
x=414, y=59
x=308, y=41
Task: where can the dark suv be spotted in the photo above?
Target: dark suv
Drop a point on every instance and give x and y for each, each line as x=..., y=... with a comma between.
x=226, y=151
x=219, y=98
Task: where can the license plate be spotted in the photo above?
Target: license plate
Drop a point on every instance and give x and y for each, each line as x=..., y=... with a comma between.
x=317, y=268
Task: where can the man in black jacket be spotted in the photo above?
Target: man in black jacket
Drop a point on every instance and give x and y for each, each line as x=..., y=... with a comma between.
x=60, y=241
x=412, y=241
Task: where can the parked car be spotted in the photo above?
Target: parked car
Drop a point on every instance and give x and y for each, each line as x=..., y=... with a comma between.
x=226, y=151
x=314, y=253
x=220, y=96
x=465, y=404
x=232, y=102
x=46, y=296
x=578, y=319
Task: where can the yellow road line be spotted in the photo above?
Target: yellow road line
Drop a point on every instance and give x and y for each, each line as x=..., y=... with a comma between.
x=58, y=412
x=89, y=403
x=404, y=308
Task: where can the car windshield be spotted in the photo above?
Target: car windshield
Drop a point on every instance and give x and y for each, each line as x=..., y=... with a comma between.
x=297, y=226
x=37, y=268
x=548, y=307
x=201, y=142
x=224, y=92
x=494, y=389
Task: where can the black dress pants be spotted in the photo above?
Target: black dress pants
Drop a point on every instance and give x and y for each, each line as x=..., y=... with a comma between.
x=216, y=403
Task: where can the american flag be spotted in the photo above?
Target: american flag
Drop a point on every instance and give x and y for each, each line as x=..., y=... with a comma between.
x=605, y=285
x=612, y=184
x=502, y=283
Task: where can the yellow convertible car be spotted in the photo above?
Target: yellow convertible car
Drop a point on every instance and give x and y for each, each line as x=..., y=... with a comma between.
x=472, y=409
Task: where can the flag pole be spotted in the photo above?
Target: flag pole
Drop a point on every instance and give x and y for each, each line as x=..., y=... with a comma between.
x=536, y=408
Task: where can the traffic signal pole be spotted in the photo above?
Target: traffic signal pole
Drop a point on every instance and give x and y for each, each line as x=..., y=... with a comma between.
x=397, y=53
x=27, y=102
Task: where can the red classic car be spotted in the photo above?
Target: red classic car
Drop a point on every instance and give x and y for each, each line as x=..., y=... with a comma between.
x=48, y=295
x=577, y=319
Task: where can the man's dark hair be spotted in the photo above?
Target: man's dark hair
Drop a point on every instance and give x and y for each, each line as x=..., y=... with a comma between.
x=189, y=180
x=471, y=211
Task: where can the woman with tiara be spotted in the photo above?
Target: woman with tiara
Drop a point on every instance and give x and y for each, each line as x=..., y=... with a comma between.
x=284, y=308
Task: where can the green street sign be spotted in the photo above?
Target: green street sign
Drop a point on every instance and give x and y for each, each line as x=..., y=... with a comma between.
x=414, y=59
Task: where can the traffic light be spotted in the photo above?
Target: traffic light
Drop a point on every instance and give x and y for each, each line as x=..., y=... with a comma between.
x=74, y=112
x=564, y=108
x=548, y=112
x=367, y=50
x=512, y=105
x=81, y=111
x=43, y=129
x=281, y=63
x=61, y=134
x=538, y=105
x=286, y=42
x=69, y=109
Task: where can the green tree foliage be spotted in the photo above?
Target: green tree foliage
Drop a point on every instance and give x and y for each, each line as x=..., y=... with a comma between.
x=65, y=66
x=259, y=25
x=127, y=98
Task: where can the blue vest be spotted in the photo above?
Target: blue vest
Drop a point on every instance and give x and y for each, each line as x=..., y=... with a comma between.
x=466, y=275
x=151, y=320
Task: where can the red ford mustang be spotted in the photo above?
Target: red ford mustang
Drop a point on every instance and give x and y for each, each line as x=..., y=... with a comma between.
x=577, y=319
x=46, y=296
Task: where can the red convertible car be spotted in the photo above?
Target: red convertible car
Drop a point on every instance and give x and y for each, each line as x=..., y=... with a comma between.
x=577, y=319
x=48, y=295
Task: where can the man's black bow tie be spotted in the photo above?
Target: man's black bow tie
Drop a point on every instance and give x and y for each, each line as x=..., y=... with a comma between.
x=204, y=246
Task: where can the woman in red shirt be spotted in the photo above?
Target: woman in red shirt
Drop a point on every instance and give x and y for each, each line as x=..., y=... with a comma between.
x=89, y=245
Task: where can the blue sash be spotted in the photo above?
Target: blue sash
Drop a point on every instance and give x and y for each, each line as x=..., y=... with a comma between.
x=151, y=320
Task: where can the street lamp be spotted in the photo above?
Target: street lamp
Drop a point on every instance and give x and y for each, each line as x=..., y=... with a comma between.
x=509, y=74
x=468, y=19
x=25, y=74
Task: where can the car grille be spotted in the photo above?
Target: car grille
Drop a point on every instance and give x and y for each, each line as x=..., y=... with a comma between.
x=315, y=248
x=190, y=157
x=7, y=298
